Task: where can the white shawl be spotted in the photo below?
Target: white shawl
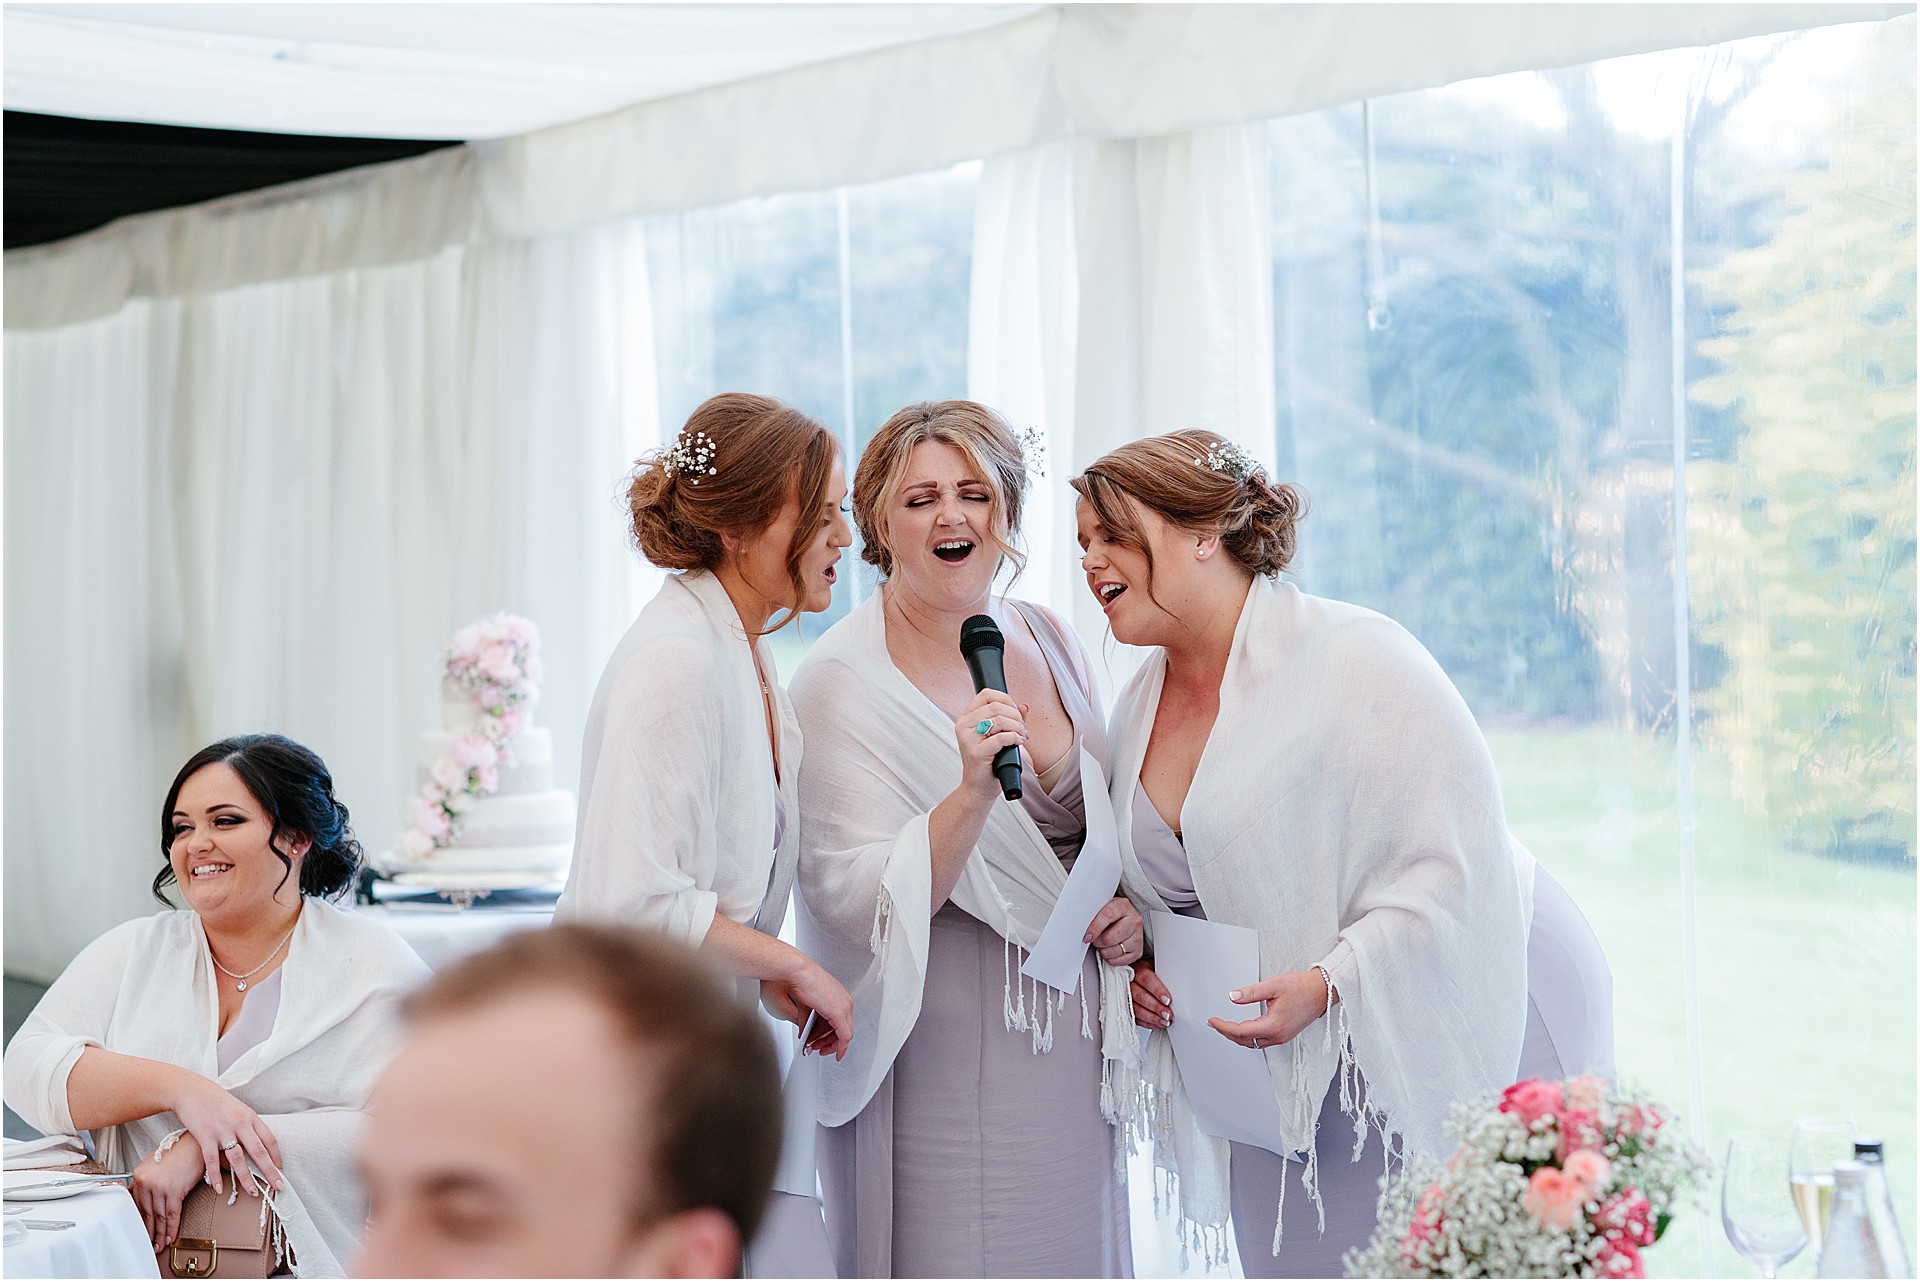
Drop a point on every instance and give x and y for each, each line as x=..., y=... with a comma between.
x=146, y=988
x=676, y=782
x=1346, y=808
x=880, y=757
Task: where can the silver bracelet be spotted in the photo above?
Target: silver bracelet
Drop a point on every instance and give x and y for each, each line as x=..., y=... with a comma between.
x=1329, y=978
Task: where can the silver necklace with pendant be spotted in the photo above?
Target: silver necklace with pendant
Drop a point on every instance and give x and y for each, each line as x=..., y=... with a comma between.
x=241, y=986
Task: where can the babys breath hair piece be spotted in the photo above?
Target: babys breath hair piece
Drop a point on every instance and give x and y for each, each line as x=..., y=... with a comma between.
x=1033, y=450
x=692, y=455
x=1228, y=459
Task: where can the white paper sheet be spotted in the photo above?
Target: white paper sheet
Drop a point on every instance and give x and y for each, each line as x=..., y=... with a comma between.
x=801, y=1074
x=1055, y=959
x=1227, y=1084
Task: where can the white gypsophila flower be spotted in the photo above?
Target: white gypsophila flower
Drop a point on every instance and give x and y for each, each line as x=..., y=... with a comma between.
x=1228, y=459
x=691, y=456
x=1033, y=450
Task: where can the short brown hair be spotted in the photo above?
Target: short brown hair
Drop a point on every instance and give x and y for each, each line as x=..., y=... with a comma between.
x=1254, y=518
x=968, y=426
x=703, y=1063
x=764, y=452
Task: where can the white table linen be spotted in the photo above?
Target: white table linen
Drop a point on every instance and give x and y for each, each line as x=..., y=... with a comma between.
x=441, y=933
x=106, y=1241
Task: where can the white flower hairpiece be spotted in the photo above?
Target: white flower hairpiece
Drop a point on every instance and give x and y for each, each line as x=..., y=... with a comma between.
x=692, y=454
x=1033, y=450
x=1229, y=459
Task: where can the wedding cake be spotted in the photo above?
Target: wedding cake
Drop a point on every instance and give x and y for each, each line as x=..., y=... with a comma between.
x=484, y=806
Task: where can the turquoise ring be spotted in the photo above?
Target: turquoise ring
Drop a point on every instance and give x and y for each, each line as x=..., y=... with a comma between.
x=985, y=727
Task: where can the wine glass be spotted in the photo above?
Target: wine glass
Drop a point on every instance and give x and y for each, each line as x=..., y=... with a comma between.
x=1818, y=1142
x=1756, y=1205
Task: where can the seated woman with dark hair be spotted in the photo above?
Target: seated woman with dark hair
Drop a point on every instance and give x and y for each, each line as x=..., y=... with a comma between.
x=237, y=1037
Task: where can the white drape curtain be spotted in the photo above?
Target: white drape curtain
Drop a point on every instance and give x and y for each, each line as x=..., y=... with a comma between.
x=267, y=509
x=1121, y=289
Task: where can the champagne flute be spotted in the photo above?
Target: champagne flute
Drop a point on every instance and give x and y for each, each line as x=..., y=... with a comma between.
x=1818, y=1142
x=1756, y=1205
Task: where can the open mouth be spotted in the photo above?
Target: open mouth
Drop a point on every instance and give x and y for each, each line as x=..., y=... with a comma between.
x=953, y=551
x=829, y=574
x=1109, y=593
x=200, y=872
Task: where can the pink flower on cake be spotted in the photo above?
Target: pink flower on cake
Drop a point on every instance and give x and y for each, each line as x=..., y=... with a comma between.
x=450, y=774
x=1589, y=1167
x=472, y=750
x=492, y=698
x=459, y=803
x=497, y=665
x=431, y=820
x=489, y=779
x=512, y=722
x=1554, y=1197
x=1531, y=1100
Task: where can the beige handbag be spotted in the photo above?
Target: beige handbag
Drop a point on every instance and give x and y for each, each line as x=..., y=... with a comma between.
x=218, y=1240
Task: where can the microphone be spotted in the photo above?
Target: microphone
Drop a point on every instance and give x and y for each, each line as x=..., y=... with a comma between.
x=985, y=650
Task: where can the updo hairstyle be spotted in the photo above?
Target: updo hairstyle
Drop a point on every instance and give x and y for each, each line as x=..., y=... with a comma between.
x=1254, y=518
x=735, y=464
x=968, y=426
x=293, y=786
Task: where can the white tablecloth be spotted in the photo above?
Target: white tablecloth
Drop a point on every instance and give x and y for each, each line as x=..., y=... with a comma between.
x=107, y=1240
x=441, y=933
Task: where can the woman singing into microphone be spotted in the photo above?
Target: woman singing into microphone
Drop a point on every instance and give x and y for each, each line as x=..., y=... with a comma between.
x=966, y=1132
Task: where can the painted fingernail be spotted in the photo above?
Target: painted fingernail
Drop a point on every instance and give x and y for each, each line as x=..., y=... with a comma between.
x=1234, y=995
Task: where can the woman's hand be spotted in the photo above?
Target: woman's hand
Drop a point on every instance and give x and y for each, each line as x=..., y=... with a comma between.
x=161, y=1183
x=809, y=989
x=226, y=1128
x=1119, y=932
x=1152, y=1003
x=1009, y=729
x=1292, y=1001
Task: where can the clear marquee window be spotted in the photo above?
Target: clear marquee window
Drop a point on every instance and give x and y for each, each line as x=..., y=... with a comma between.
x=1662, y=539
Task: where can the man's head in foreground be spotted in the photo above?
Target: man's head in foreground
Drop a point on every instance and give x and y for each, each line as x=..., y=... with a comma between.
x=582, y=1101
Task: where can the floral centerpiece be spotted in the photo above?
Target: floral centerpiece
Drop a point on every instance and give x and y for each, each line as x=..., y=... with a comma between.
x=1552, y=1179
x=495, y=662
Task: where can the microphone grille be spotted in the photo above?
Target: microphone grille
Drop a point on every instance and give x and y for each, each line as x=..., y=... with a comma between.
x=980, y=632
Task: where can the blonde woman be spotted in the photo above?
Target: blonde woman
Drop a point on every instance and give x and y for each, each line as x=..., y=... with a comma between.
x=1302, y=767
x=964, y=1133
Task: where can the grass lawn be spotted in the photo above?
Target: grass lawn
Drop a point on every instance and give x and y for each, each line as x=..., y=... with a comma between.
x=1806, y=964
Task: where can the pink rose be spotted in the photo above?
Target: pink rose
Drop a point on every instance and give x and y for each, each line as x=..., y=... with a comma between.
x=1578, y=1129
x=472, y=750
x=1425, y=1227
x=1589, y=1094
x=512, y=722
x=1628, y=1215
x=491, y=697
x=1555, y=1198
x=431, y=820
x=450, y=774
x=489, y=779
x=1618, y=1258
x=497, y=665
x=1590, y=1168
x=1639, y=1119
x=1531, y=1100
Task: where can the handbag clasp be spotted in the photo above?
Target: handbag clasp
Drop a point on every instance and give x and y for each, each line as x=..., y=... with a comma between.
x=194, y=1267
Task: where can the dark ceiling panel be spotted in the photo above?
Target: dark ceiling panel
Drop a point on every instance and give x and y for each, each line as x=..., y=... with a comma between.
x=65, y=176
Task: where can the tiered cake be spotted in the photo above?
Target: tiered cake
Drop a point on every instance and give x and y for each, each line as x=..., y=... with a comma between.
x=526, y=825
x=484, y=812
